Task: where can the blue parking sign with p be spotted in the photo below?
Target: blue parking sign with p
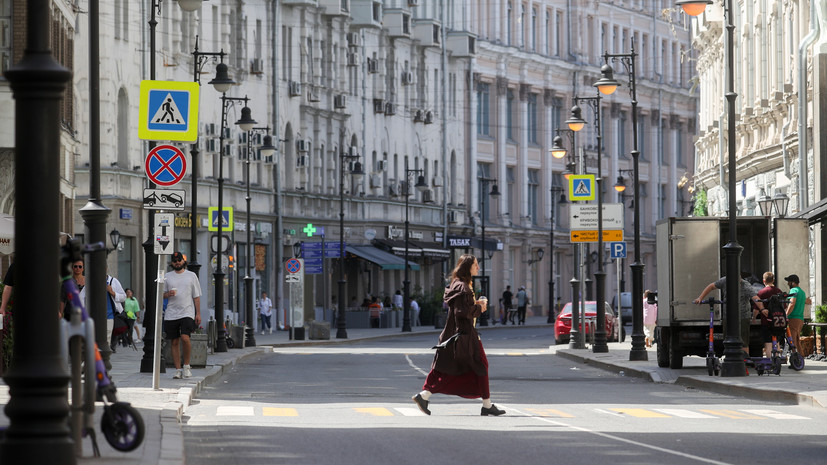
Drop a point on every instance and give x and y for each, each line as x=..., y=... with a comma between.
x=618, y=249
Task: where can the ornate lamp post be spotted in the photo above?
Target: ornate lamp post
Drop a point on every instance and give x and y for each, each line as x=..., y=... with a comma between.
x=356, y=172
x=607, y=85
x=483, y=208
x=267, y=150
x=246, y=122
x=421, y=185
x=575, y=124
x=733, y=364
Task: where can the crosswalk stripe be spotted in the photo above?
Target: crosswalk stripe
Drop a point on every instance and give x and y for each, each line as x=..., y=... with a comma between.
x=231, y=410
x=639, y=413
x=777, y=415
x=279, y=412
x=410, y=411
x=733, y=414
x=550, y=412
x=374, y=411
x=682, y=413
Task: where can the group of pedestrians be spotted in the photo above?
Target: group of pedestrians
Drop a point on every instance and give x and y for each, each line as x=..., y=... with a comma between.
x=513, y=306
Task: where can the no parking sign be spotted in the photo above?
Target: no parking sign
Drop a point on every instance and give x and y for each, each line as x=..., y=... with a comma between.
x=165, y=165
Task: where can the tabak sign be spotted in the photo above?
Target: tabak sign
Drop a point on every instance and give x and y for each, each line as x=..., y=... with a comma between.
x=459, y=242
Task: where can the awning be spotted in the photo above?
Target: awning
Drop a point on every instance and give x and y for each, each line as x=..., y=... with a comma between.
x=385, y=260
x=398, y=247
x=814, y=213
x=433, y=250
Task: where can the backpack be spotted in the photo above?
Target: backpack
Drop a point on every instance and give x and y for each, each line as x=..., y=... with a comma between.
x=778, y=316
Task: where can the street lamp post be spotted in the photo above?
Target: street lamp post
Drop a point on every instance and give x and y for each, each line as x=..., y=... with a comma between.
x=607, y=85
x=246, y=122
x=483, y=208
x=356, y=172
x=600, y=275
x=267, y=149
x=421, y=185
x=37, y=409
x=733, y=364
x=199, y=59
x=555, y=190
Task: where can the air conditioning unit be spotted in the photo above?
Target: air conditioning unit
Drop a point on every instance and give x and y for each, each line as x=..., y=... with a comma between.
x=390, y=108
x=375, y=180
x=429, y=117
x=407, y=78
x=303, y=145
x=378, y=105
x=427, y=196
x=302, y=160
x=437, y=181
x=353, y=39
x=453, y=217
x=256, y=66
x=393, y=188
x=295, y=88
x=340, y=101
x=381, y=165
x=418, y=116
x=373, y=65
x=352, y=59
x=312, y=95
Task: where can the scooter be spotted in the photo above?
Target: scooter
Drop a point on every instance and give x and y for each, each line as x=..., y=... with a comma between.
x=713, y=363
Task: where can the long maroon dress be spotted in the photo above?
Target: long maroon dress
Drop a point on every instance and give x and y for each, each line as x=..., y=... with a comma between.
x=449, y=375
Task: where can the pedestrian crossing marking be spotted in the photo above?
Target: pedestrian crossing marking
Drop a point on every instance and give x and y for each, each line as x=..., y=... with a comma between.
x=410, y=412
x=776, y=415
x=374, y=411
x=734, y=414
x=682, y=413
x=279, y=412
x=238, y=411
x=550, y=412
x=639, y=413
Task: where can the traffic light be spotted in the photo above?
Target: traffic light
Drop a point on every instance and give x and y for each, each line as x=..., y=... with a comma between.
x=231, y=265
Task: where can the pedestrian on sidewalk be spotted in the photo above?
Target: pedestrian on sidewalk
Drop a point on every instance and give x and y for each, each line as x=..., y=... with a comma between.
x=795, y=310
x=115, y=297
x=265, y=313
x=132, y=309
x=522, y=303
x=507, y=306
x=768, y=329
x=414, y=312
x=460, y=366
x=650, y=317
x=183, y=312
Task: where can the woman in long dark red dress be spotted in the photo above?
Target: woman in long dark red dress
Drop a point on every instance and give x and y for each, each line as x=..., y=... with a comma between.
x=461, y=368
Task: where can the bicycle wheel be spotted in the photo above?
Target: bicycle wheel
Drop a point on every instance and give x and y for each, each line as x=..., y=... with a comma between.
x=122, y=426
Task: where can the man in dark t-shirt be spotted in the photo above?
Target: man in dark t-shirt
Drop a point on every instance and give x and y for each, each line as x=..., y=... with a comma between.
x=507, y=305
x=767, y=328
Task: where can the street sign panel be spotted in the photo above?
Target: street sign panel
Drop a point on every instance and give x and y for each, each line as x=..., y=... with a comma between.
x=164, y=199
x=293, y=266
x=611, y=235
x=618, y=249
x=226, y=216
x=164, y=231
x=168, y=110
x=581, y=187
x=584, y=216
x=165, y=165
x=313, y=266
x=295, y=272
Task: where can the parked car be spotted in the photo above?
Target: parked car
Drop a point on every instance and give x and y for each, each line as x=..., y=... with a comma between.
x=562, y=327
x=625, y=308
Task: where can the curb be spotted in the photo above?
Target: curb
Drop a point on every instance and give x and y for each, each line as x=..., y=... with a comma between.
x=611, y=367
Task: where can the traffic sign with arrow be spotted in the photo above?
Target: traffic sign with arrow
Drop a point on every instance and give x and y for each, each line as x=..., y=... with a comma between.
x=164, y=233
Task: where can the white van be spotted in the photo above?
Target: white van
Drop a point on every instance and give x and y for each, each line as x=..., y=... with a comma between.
x=625, y=306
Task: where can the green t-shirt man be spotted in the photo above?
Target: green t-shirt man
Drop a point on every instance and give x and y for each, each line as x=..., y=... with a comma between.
x=800, y=300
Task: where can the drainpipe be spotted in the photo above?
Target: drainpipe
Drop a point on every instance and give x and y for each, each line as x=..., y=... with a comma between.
x=815, y=30
x=277, y=238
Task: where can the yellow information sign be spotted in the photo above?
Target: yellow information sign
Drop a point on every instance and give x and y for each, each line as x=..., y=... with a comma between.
x=168, y=110
x=590, y=235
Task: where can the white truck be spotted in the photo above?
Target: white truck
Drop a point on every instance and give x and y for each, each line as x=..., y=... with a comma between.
x=690, y=255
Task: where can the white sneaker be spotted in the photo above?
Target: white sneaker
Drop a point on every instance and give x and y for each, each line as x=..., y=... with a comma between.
x=177, y=374
x=271, y=330
x=187, y=371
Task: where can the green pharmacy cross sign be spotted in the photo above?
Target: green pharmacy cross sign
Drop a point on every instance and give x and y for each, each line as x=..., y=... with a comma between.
x=310, y=230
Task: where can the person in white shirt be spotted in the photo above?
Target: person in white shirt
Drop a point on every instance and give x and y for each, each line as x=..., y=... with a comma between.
x=183, y=313
x=265, y=312
x=397, y=300
x=414, y=313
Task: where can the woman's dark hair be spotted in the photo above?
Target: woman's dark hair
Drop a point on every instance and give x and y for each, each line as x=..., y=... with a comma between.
x=128, y=289
x=463, y=268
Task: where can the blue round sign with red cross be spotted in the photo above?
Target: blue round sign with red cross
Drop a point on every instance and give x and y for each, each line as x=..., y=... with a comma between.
x=165, y=165
x=293, y=265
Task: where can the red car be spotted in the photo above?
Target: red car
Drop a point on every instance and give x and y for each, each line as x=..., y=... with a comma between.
x=562, y=327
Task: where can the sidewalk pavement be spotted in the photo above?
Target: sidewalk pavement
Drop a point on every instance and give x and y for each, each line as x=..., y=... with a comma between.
x=162, y=410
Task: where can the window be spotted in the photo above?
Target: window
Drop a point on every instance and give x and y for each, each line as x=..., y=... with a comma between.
x=508, y=20
x=484, y=188
x=534, y=29
x=559, y=181
x=642, y=136
x=678, y=146
x=548, y=34
x=509, y=114
x=522, y=41
x=510, y=198
x=661, y=201
x=558, y=32
x=532, y=118
x=125, y=262
x=556, y=112
x=483, y=109
x=621, y=135
x=533, y=187
x=5, y=35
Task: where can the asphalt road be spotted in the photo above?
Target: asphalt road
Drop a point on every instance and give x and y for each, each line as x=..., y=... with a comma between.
x=350, y=404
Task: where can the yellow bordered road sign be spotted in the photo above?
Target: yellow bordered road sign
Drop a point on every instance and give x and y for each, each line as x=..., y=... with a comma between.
x=590, y=235
x=227, y=216
x=168, y=110
x=581, y=187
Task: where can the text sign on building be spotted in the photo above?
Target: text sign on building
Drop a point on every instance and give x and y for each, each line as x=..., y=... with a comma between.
x=584, y=216
x=168, y=110
x=611, y=235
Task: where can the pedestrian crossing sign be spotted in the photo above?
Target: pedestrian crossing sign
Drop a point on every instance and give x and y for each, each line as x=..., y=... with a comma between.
x=226, y=219
x=581, y=187
x=168, y=111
